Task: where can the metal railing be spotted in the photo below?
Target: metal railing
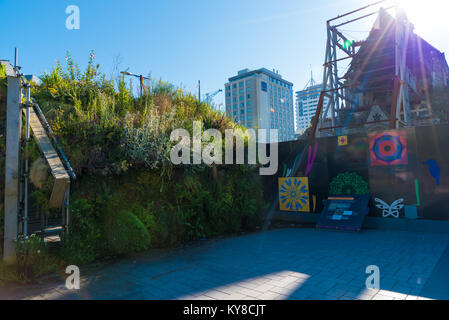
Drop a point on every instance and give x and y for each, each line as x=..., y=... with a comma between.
x=55, y=141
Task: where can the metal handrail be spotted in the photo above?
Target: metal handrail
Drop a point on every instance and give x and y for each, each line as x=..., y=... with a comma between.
x=55, y=141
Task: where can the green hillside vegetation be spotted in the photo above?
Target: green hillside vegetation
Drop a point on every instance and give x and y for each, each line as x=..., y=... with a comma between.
x=128, y=196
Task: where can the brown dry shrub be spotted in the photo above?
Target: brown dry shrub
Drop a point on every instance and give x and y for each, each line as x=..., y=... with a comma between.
x=163, y=103
x=38, y=172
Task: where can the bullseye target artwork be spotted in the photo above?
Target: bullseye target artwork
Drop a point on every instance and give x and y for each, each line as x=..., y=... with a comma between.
x=388, y=148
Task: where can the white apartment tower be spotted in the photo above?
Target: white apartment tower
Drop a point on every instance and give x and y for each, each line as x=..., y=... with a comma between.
x=261, y=99
x=306, y=105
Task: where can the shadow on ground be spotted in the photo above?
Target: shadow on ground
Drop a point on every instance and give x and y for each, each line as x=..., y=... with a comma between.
x=278, y=264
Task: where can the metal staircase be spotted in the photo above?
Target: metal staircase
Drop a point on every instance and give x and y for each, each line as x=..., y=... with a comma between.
x=23, y=215
x=53, y=228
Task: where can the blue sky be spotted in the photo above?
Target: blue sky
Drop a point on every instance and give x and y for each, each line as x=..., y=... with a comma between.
x=184, y=41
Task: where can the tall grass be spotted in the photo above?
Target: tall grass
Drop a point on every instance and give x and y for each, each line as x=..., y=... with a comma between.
x=101, y=123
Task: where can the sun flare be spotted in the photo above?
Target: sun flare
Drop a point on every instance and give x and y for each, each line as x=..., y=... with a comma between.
x=426, y=15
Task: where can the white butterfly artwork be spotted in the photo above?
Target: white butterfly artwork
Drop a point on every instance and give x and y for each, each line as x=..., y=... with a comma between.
x=390, y=210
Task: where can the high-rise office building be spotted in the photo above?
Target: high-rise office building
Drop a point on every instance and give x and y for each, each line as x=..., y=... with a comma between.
x=306, y=105
x=261, y=99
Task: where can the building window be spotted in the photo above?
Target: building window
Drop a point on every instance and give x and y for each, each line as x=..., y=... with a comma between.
x=264, y=86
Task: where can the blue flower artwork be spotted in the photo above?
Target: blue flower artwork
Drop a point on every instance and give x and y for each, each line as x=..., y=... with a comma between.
x=294, y=194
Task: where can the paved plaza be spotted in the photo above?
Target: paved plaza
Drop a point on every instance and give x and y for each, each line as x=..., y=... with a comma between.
x=278, y=264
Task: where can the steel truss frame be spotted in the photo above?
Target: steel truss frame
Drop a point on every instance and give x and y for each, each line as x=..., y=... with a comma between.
x=336, y=90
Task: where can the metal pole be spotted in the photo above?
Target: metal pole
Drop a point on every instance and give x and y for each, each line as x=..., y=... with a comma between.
x=327, y=70
x=335, y=100
x=199, y=91
x=16, y=57
x=67, y=209
x=352, y=12
x=27, y=170
x=362, y=17
x=141, y=85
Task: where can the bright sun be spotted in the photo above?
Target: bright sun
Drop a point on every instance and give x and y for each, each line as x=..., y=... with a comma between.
x=426, y=15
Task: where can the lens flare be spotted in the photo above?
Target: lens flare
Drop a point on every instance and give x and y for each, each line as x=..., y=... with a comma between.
x=426, y=15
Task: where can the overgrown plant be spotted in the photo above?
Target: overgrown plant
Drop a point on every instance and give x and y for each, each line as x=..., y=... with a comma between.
x=33, y=259
x=129, y=196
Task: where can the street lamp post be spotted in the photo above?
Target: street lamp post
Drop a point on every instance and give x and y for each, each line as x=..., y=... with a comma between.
x=141, y=78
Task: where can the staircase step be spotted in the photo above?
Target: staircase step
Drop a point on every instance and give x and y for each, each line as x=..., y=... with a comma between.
x=51, y=231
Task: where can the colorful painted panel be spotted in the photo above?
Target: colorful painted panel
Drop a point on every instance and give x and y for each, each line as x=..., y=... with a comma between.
x=388, y=148
x=294, y=194
x=342, y=141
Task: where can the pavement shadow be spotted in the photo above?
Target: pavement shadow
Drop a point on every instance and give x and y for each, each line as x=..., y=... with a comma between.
x=279, y=264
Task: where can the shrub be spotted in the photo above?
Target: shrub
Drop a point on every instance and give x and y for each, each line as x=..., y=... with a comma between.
x=33, y=259
x=349, y=183
x=38, y=172
x=3, y=80
x=86, y=241
x=190, y=207
x=2, y=225
x=126, y=233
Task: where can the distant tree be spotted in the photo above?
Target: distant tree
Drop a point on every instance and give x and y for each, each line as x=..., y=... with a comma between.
x=306, y=133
